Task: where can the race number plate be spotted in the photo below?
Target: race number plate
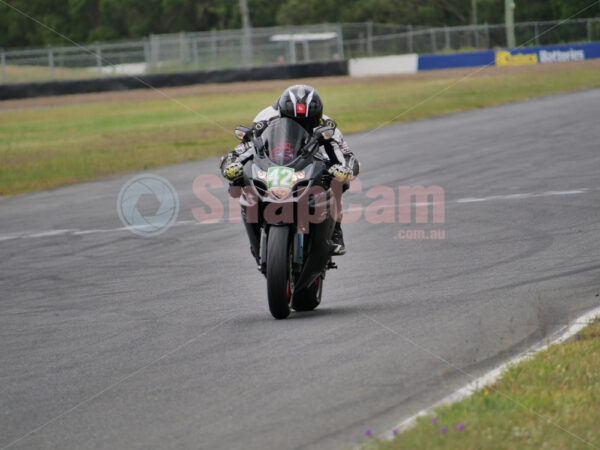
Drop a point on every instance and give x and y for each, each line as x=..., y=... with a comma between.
x=280, y=177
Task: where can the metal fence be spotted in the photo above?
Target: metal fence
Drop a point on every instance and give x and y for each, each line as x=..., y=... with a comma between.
x=270, y=46
x=379, y=39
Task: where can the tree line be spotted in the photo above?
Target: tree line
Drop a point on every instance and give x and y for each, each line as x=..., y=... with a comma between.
x=95, y=20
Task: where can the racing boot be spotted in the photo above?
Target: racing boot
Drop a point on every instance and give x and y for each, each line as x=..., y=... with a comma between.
x=337, y=239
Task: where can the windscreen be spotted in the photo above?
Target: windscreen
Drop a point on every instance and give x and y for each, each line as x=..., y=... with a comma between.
x=283, y=139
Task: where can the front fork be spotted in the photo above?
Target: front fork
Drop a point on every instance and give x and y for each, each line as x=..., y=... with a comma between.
x=297, y=247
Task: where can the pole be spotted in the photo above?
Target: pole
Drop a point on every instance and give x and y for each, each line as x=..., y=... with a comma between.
x=99, y=59
x=3, y=61
x=509, y=11
x=213, y=49
x=182, y=50
x=340, y=33
x=247, y=33
x=370, y=38
x=433, y=46
x=306, y=51
x=410, y=39
x=147, y=56
x=154, y=51
x=292, y=50
x=51, y=62
x=447, y=37
x=196, y=56
x=474, y=22
x=589, y=30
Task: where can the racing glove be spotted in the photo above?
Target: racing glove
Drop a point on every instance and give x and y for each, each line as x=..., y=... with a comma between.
x=233, y=170
x=341, y=173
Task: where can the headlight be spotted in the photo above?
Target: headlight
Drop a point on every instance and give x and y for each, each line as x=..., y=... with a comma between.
x=279, y=192
x=298, y=176
x=261, y=174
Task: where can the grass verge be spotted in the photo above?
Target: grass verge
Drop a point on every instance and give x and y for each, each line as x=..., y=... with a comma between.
x=44, y=148
x=31, y=74
x=550, y=401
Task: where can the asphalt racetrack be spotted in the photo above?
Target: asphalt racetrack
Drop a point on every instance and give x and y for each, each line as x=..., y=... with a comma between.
x=111, y=340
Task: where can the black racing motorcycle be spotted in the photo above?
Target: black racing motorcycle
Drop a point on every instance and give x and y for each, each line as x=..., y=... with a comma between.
x=288, y=207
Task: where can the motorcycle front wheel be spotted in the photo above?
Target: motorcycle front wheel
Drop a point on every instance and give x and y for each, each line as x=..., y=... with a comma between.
x=278, y=286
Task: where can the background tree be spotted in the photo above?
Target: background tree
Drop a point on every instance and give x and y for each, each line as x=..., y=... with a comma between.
x=89, y=20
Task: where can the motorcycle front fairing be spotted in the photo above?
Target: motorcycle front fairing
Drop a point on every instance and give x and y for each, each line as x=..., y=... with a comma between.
x=280, y=173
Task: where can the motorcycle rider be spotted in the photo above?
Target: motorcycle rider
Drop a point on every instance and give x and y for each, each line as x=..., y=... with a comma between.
x=303, y=104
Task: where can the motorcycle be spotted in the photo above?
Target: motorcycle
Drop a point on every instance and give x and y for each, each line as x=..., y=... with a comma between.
x=289, y=205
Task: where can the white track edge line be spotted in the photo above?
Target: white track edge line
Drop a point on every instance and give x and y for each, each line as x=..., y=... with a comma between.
x=490, y=377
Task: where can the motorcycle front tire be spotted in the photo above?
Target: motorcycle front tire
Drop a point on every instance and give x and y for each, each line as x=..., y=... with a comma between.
x=278, y=289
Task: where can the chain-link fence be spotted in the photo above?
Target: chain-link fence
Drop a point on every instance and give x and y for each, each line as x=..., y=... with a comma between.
x=380, y=40
x=270, y=46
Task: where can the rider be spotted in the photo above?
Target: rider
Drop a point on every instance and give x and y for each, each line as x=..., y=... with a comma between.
x=303, y=104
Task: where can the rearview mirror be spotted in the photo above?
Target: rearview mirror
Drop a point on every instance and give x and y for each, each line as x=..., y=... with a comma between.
x=242, y=132
x=319, y=137
x=324, y=134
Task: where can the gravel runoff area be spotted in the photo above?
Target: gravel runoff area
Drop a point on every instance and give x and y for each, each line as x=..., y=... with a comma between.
x=228, y=88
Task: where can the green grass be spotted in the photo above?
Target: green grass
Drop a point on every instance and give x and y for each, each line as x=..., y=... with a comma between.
x=531, y=407
x=30, y=74
x=45, y=148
